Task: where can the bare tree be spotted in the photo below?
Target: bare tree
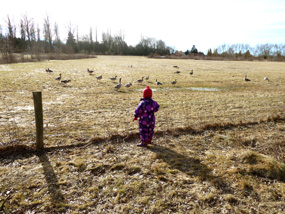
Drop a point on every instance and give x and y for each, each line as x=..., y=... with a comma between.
x=38, y=34
x=11, y=29
x=91, y=35
x=96, y=38
x=264, y=50
x=107, y=40
x=48, y=34
x=23, y=31
x=56, y=32
x=161, y=47
x=7, y=43
x=57, y=43
x=119, y=45
x=77, y=34
x=33, y=32
x=27, y=26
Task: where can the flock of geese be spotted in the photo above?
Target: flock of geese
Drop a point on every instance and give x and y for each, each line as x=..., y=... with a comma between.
x=127, y=85
x=58, y=78
x=114, y=78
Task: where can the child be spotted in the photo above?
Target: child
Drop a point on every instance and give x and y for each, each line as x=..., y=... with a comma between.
x=145, y=111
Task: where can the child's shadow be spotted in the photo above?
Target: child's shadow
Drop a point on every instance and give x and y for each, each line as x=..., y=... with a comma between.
x=192, y=166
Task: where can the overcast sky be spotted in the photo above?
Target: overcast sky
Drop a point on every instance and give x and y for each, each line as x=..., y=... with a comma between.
x=180, y=24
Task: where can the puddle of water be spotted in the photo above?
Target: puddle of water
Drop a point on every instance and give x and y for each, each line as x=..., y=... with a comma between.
x=203, y=89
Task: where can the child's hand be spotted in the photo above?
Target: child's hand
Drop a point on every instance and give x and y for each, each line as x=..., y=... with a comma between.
x=135, y=118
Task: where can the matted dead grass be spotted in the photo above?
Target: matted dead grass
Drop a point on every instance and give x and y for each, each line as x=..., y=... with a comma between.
x=210, y=172
x=218, y=147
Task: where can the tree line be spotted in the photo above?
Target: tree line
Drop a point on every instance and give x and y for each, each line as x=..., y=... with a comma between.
x=273, y=52
x=28, y=38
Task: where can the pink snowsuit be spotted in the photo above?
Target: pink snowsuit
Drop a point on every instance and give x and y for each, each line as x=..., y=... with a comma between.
x=145, y=111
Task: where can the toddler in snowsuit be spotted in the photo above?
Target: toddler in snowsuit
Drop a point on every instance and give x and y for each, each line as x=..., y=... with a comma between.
x=145, y=111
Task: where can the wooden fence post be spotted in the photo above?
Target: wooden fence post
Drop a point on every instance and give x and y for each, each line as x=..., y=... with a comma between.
x=39, y=120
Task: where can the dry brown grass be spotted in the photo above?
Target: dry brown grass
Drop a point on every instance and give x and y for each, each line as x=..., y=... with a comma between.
x=214, y=151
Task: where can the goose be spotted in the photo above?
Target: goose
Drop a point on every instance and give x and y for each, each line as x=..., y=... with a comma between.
x=89, y=71
x=128, y=85
x=113, y=78
x=173, y=82
x=245, y=78
x=140, y=80
x=191, y=73
x=177, y=72
x=175, y=66
x=99, y=77
x=118, y=86
x=48, y=70
x=65, y=81
x=58, y=78
x=158, y=83
x=146, y=78
x=266, y=78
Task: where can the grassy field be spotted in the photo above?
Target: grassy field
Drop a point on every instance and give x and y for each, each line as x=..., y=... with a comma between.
x=218, y=144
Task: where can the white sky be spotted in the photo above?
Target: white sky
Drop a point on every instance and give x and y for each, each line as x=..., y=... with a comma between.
x=180, y=24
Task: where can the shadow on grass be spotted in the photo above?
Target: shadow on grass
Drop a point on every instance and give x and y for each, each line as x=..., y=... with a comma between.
x=51, y=179
x=192, y=166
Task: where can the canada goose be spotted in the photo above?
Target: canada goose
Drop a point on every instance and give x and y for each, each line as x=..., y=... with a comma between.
x=128, y=85
x=245, y=78
x=146, y=78
x=89, y=71
x=173, y=82
x=266, y=78
x=65, y=81
x=99, y=77
x=113, y=78
x=191, y=73
x=140, y=80
x=58, y=78
x=175, y=66
x=177, y=72
x=48, y=70
x=158, y=83
x=118, y=86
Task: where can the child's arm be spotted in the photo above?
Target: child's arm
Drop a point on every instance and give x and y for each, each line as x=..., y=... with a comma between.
x=138, y=111
x=156, y=107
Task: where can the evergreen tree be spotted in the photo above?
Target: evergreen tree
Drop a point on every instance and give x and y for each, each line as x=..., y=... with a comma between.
x=70, y=43
x=194, y=49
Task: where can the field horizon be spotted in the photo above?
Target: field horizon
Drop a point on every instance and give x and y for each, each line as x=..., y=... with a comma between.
x=218, y=143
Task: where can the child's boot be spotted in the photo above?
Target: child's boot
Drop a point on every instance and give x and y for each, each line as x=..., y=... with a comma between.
x=142, y=144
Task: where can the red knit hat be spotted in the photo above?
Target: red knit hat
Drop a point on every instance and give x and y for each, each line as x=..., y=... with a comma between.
x=147, y=92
